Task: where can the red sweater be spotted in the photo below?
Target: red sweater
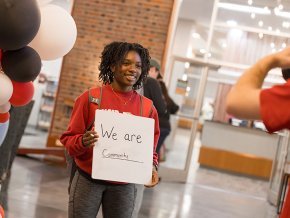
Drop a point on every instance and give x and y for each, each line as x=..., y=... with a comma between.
x=81, y=118
x=274, y=107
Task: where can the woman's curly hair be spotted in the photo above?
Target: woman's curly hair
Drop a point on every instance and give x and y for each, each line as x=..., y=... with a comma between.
x=114, y=55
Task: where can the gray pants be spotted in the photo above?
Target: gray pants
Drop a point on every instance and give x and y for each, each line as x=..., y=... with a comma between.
x=86, y=197
x=138, y=201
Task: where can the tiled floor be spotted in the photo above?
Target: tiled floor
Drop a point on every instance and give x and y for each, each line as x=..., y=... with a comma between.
x=38, y=189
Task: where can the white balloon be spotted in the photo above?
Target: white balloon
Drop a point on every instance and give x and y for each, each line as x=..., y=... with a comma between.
x=6, y=88
x=5, y=108
x=57, y=33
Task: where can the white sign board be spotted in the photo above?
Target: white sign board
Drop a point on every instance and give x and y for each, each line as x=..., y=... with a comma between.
x=124, y=151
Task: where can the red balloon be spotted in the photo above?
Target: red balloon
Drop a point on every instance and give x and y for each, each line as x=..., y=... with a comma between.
x=3, y=119
x=1, y=52
x=2, y=214
x=22, y=93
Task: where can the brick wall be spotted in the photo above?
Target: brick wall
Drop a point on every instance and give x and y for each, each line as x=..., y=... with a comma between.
x=99, y=22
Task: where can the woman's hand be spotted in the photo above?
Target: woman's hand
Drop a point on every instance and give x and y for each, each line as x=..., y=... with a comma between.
x=155, y=179
x=89, y=138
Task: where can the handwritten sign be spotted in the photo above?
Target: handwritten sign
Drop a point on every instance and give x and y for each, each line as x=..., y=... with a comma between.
x=124, y=151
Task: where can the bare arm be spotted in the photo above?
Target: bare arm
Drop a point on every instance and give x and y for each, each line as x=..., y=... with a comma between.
x=243, y=101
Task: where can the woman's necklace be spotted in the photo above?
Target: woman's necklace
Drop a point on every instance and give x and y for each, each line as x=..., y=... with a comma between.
x=121, y=99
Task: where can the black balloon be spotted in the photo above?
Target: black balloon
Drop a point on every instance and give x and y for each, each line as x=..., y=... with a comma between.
x=19, y=23
x=286, y=73
x=21, y=65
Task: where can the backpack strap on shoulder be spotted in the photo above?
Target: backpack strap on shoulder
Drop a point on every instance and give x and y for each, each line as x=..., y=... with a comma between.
x=146, y=106
x=95, y=97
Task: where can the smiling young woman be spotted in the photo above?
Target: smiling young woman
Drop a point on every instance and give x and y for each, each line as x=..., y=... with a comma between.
x=123, y=68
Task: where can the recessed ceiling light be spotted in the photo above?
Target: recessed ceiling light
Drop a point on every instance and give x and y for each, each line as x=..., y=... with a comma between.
x=232, y=23
x=203, y=51
x=281, y=13
x=270, y=28
x=261, y=35
x=286, y=24
x=272, y=45
x=196, y=35
x=280, y=7
x=244, y=8
x=250, y=2
x=186, y=65
x=261, y=23
x=253, y=15
x=284, y=45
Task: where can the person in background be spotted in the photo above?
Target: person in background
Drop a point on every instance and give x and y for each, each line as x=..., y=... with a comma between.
x=247, y=100
x=170, y=106
x=123, y=68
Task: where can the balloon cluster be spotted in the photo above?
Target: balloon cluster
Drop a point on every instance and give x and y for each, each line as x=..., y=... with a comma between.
x=30, y=31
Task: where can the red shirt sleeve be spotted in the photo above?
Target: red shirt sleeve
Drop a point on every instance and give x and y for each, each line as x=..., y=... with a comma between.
x=72, y=137
x=275, y=107
x=154, y=115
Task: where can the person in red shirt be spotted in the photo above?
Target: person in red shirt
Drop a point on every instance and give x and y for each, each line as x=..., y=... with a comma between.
x=247, y=100
x=123, y=68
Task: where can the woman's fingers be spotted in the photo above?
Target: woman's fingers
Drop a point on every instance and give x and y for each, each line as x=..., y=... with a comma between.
x=89, y=138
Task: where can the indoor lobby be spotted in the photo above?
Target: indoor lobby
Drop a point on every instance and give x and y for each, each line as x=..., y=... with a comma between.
x=212, y=164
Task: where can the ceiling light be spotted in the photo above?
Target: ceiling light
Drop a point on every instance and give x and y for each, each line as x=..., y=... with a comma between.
x=250, y=2
x=186, y=65
x=203, y=51
x=284, y=45
x=280, y=7
x=261, y=35
x=272, y=45
x=232, y=23
x=270, y=28
x=261, y=23
x=196, y=35
x=253, y=15
x=286, y=24
x=244, y=8
x=281, y=13
x=224, y=45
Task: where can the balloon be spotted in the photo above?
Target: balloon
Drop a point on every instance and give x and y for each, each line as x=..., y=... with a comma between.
x=22, y=93
x=6, y=88
x=21, y=65
x=3, y=132
x=4, y=117
x=57, y=33
x=5, y=108
x=19, y=23
x=2, y=212
x=286, y=73
x=0, y=54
